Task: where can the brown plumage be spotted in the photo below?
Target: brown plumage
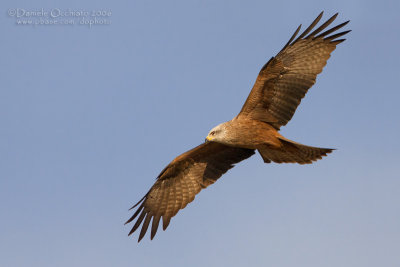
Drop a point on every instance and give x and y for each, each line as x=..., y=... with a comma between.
x=182, y=179
x=281, y=84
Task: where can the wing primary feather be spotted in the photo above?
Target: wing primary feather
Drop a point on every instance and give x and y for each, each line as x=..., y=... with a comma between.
x=323, y=26
x=134, y=215
x=145, y=226
x=332, y=30
x=138, y=222
x=154, y=226
x=315, y=22
x=336, y=42
x=333, y=37
x=166, y=221
x=139, y=202
x=291, y=38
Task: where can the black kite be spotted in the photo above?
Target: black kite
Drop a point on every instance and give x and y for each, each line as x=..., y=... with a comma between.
x=281, y=84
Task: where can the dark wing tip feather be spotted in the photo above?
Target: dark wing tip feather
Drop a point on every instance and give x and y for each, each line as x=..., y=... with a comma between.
x=145, y=226
x=318, y=31
x=135, y=214
x=145, y=217
x=140, y=201
x=138, y=222
x=166, y=221
x=336, y=42
x=337, y=35
x=154, y=226
x=312, y=25
x=291, y=38
x=323, y=26
x=332, y=29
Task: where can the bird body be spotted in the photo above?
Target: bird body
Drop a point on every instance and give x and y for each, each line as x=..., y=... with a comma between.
x=272, y=146
x=245, y=133
x=281, y=84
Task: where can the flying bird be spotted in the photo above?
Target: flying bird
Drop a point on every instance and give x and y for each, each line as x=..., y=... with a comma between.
x=281, y=84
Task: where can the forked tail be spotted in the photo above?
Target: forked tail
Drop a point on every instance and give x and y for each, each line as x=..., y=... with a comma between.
x=292, y=152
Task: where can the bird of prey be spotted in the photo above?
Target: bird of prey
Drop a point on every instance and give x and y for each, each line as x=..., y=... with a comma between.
x=281, y=84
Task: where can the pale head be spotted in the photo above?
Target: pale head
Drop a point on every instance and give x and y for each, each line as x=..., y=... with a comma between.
x=218, y=133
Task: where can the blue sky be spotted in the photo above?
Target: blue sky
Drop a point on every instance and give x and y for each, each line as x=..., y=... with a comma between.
x=90, y=115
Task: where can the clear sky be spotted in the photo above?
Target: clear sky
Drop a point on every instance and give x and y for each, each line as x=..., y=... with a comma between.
x=90, y=115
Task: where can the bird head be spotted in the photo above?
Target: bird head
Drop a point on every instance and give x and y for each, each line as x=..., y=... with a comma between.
x=216, y=133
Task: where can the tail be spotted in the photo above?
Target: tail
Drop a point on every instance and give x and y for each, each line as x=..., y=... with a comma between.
x=292, y=152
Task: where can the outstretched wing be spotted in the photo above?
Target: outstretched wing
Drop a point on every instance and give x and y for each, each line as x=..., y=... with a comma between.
x=286, y=78
x=181, y=180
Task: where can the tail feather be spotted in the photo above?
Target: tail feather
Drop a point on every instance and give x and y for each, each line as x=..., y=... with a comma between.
x=292, y=152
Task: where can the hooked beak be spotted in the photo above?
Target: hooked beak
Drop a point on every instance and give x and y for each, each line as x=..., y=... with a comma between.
x=208, y=139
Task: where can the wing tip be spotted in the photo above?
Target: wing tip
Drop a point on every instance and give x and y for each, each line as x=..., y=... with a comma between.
x=304, y=35
x=166, y=221
x=140, y=201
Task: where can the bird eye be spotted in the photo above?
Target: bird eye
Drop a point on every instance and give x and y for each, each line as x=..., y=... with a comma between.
x=212, y=133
